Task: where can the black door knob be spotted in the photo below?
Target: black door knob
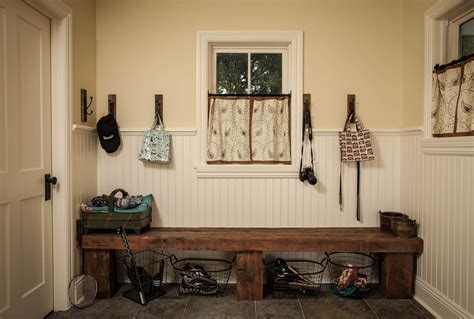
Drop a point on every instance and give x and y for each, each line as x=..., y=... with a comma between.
x=51, y=180
x=48, y=181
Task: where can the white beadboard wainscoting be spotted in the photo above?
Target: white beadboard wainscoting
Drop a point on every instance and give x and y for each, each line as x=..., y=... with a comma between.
x=184, y=200
x=84, y=181
x=438, y=191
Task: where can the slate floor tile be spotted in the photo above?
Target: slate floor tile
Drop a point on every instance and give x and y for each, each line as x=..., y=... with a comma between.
x=376, y=292
x=172, y=305
x=163, y=308
x=273, y=309
x=396, y=309
x=115, y=308
x=172, y=292
x=269, y=294
x=219, y=307
x=330, y=306
x=423, y=309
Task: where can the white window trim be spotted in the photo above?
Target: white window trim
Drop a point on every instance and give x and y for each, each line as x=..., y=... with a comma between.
x=435, y=52
x=205, y=40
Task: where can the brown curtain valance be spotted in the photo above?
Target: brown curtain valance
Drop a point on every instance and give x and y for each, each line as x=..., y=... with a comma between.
x=249, y=129
x=453, y=99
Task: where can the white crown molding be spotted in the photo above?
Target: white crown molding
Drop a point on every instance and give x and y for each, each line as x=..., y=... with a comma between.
x=437, y=303
x=53, y=9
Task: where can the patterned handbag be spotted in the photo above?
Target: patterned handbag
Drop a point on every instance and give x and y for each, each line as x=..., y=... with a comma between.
x=356, y=146
x=156, y=144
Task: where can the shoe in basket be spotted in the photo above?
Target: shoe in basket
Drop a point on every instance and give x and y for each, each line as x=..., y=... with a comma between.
x=197, y=281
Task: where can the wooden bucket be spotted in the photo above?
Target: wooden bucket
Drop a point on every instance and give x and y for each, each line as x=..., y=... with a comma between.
x=386, y=219
x=404, y=227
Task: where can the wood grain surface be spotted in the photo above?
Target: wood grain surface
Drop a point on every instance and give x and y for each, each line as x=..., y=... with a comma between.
x=261, y=239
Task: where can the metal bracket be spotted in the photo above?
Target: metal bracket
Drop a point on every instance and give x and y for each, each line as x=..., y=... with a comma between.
x=306, y=101
x=351, y=105
x=159, y=105
x=84, y=106
x=112, y=100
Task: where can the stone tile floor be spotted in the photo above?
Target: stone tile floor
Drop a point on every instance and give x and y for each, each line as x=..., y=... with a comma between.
x=172, y=305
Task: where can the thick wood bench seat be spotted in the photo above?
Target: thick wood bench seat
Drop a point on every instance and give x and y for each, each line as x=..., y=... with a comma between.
x=398, y=255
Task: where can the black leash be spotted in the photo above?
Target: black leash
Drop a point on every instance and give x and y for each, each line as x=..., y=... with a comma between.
x=307, y=124
x=358, y=176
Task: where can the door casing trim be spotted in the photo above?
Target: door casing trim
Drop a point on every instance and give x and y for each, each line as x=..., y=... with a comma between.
x=61, y=100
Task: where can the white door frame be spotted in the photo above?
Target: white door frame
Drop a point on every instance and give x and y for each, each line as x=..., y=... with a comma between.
x=61, y=99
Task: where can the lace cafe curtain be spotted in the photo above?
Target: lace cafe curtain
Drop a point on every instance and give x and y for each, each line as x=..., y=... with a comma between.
x=246, y=130
x=453, y=99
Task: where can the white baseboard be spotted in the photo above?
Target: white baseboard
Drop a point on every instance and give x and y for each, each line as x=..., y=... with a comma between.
x=437, y=303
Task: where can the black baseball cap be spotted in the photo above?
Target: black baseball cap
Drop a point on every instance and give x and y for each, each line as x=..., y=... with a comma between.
x=109, y=137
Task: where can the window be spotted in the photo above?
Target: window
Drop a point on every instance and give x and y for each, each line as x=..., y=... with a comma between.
x=447, y=37
x=459, y=35
x=466, y=38
x=249, y=63
x=252, y=72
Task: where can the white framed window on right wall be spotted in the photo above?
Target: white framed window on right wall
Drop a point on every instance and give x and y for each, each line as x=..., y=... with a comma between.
x=447, y=37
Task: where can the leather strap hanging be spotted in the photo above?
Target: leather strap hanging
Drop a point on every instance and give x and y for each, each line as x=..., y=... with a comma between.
x=307, y=124
x=354, y=148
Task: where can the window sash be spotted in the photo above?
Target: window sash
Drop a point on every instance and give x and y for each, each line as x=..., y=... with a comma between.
x=453, y=32
x=249, y=50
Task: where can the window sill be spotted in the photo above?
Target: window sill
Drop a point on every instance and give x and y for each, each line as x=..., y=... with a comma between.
x=453, y=146
x=246, y=171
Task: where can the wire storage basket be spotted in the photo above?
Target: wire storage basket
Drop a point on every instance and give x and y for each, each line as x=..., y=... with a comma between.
x=295, y=276
x=351, y=273
x=200, y=276
x=146, y=271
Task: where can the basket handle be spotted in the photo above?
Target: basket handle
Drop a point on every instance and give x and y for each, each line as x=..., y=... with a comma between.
x=173, y=259
x=325, y=262
x=110, y=199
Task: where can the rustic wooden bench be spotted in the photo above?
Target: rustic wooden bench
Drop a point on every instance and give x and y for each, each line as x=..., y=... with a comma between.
x=398, y=255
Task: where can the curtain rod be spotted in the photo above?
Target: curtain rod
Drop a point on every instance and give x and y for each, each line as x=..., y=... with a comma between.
x=465, y=58
x=250, y=95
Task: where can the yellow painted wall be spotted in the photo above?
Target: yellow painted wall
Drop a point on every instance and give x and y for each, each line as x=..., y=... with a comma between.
x=413, y=63
x=84, y=55
x=351, y=46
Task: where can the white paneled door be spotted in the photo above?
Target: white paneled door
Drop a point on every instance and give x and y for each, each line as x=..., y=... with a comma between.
x=26, y=282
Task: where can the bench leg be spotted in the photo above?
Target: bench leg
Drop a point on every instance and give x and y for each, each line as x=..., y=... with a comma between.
x=398, y=273
x=100, y=264
x=250, y=275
